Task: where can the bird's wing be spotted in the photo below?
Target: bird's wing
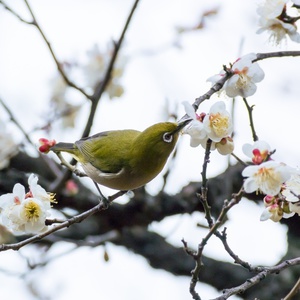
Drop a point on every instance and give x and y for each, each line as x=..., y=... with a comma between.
x=108, y=151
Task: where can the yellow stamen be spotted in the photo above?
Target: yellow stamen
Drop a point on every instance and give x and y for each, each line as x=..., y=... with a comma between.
x=32, y=211
x=52, y=198
x=268, y=176
x=219, y=124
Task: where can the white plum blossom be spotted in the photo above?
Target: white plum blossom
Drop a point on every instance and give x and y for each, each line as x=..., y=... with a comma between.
x=295, y=207
x=267, y=177
x=216, y=126
x=291, y=192
x=217, y=123
x=271, y=8
x=258, y=152
x=291, y=189
x=36, y=191
x=245, y=76
x=286, y=203
x=274, y=18
x=32, y=215
x=279, y=30
x=24, y=213
x=195, y=128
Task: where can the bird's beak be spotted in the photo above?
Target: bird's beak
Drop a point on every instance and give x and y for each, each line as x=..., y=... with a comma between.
x=182, y=123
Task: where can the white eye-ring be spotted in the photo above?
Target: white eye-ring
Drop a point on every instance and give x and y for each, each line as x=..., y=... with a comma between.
x=168, y=137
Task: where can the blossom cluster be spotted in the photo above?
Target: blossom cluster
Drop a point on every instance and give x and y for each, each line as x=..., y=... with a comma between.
x=25, y=213
x=60, y=106
x=90, y=72
x=279, y=17
x=96, y=66
x=215, y=125
x=279, y=182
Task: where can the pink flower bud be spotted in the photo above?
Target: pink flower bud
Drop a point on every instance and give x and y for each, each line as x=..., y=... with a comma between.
x=269, y=200
x=71, y=187
x=259, y=156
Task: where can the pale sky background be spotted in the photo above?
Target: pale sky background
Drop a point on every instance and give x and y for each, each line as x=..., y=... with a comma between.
x=73, y=27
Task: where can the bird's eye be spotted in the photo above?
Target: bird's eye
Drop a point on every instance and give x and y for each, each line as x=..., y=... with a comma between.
x=168, y=137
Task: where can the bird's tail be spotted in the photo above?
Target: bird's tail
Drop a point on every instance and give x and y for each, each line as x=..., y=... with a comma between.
x=64, y=147
x=69, y=148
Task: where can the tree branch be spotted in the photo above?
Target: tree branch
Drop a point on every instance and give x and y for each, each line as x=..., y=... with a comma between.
x=76, y=219
x=250, y=110
x=100, y=88
x=51, y=165
x=261, y=56
x=58, y=64
x=15, y=13
x=258, y=278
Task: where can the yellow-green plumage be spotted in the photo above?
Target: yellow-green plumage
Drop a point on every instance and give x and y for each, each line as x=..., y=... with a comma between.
x=124, y=159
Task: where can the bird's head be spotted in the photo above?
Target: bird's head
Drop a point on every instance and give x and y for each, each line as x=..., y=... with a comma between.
x=161, y=136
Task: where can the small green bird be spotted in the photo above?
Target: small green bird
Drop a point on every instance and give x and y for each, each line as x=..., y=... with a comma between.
x=125, y=159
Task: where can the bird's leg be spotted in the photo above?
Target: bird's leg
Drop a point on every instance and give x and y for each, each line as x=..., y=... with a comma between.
x=69, y=166
x=116, y=195
x=106, y=201
x=103, y=199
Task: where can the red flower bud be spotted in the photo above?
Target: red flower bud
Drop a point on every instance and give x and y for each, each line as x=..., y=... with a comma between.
x=46, y=145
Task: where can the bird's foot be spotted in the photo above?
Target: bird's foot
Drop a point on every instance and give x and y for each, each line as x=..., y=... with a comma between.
x=102, y=199
x=105, y=202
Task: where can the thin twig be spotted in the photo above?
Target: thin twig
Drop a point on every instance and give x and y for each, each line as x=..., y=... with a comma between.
x=258, y=278
x=223, y=237
x=14, y=120
x=294, y=291
x=53, y=221
x=107, y=75
x=250, y=113
x=219, y=84
x=203, y=196
x=213, y=231
x=15, y=13
x=238, y=159
x=261, y=56
x=214, y=89
x=205, y=163
x=52, y=166
x=58, y=64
